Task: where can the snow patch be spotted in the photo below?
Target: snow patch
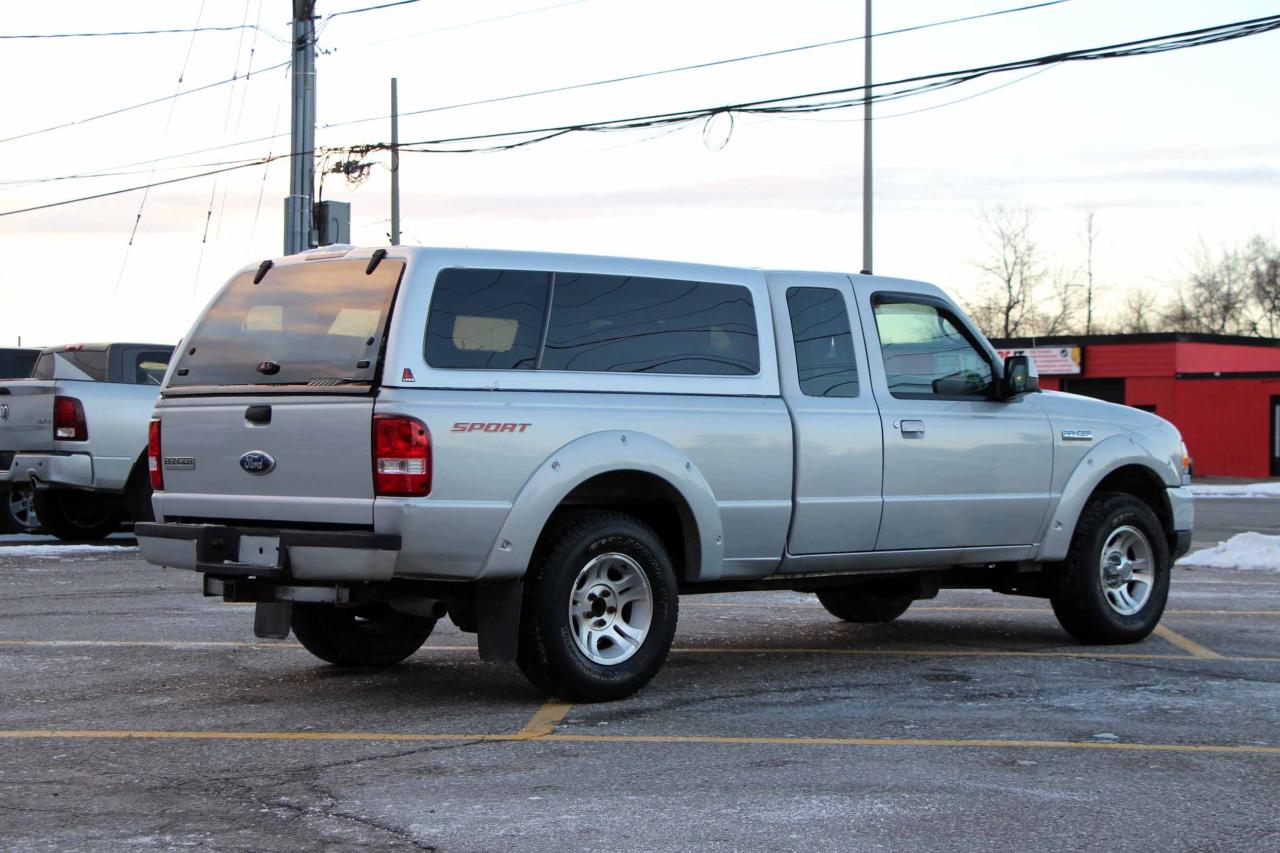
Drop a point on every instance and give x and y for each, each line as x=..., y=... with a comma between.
x=61, y=550
x=1255, y=551
x=1237, y=490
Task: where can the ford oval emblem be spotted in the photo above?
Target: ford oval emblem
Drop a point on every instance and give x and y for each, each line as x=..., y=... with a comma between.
x=258, y=462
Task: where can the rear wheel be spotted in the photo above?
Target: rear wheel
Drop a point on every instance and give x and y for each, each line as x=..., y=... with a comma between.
x=1115, y=580
x=371, y=635
x=600, y=609
x=867, y=602
x=18, y=512
x=77, y=516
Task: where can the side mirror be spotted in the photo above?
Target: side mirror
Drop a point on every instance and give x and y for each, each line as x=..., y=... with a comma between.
x=1020, y=376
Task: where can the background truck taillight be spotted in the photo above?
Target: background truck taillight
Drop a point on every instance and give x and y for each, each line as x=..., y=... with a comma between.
x=153, y=456
x=401, y=456
x=68, y=420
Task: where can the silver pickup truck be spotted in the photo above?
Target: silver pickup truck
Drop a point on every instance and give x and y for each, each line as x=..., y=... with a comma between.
x=74, y=435
x=550, y=449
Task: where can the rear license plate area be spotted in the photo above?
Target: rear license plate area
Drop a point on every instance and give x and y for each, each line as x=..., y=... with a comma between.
x=259, y=551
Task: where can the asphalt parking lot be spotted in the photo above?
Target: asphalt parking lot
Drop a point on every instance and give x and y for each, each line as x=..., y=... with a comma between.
x=136, y=715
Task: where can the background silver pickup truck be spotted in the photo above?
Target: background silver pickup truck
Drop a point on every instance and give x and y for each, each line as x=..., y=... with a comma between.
x=551, y=448
x=76, y=434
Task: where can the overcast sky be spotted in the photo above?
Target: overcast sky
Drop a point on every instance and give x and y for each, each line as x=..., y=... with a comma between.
x=1171, y=150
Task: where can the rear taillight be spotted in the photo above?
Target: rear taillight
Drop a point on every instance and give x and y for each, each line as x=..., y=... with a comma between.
x=153, y=456
x=68, y=420
x=401, y=456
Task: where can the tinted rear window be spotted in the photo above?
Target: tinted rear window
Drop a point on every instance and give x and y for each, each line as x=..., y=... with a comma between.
x=487, y=319
x=321, y=322
x=499, y=320
x=825, y=363
x=627, y=324
x=72, y=364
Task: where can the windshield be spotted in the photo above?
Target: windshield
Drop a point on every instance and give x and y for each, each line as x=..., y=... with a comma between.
x=318, y=323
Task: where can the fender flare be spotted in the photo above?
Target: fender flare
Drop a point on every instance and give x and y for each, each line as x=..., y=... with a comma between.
x=589, y=456
x=1110, y=455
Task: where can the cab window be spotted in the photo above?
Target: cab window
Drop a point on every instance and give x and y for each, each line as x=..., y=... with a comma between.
x=926, y=353
x=825, y=364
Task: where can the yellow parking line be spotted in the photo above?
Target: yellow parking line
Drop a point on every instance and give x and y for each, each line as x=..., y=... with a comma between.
x=980, y=743
x=942, y=653
x=975, y=609
x=1186, y=643
x=185, y=644
x=1202, y=654
x=544, y=720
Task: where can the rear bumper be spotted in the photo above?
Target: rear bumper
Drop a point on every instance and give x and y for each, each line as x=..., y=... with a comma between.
x=74, y=470
x=312, y=555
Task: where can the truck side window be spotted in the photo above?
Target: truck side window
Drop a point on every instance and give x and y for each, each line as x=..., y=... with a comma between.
x=486, y=319
x=926, y=355
x=825, y=363
x=630, y=324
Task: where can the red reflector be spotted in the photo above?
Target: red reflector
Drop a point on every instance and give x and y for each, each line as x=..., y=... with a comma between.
x=153, y=456
x=401, y=456
x=68, y=420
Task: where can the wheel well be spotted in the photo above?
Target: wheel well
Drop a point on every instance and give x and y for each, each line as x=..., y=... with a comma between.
x=1143, y=484
x=647, y=497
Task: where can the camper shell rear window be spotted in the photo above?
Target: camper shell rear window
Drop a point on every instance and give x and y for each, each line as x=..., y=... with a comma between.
x=315, y=324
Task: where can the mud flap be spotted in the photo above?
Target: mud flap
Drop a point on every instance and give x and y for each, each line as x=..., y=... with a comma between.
x=272, y=619
x=498, y=619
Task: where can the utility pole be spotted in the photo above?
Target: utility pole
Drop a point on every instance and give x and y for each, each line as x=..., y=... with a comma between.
x=298, y=225
x=866, y=149
x=395, y=166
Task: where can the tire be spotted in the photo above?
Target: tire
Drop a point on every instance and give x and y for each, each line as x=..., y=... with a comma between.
x=590, y=561
x=867, y=603
x=1099, y=605
x=372, y=635
x=77, y=516
x=18, y=511
x=137, y=496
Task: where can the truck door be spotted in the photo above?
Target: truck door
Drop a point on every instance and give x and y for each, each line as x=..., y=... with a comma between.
x=961, y=468
x=836, y=426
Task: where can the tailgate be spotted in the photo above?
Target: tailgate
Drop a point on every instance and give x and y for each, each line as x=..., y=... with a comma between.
x=292, y=458
x=26, y=415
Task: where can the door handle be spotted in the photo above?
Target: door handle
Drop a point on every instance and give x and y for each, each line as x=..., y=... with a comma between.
x=912, y=427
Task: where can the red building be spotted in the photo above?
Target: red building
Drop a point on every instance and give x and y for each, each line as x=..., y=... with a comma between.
x=1221, y=391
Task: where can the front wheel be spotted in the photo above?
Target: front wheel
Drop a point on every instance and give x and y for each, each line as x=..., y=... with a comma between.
x=600, y=609
x=74, y=516
x=1115, y=581
x=370, y=635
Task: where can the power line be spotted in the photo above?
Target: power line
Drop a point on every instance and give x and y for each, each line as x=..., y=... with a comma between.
x=789, y=105
x=146, y=186
x=107, y=171
x=813, y=102
x=226, y=29
x=149, y=103
x=696, y=66
x=333, y=15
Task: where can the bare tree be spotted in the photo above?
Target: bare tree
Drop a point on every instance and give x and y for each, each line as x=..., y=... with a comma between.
x=1006, y=304
x=1262, y=263
x=1140, y=313
x=1090, y=237
x=1217, y=298
x=1062, y=304
x=1019, y=295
